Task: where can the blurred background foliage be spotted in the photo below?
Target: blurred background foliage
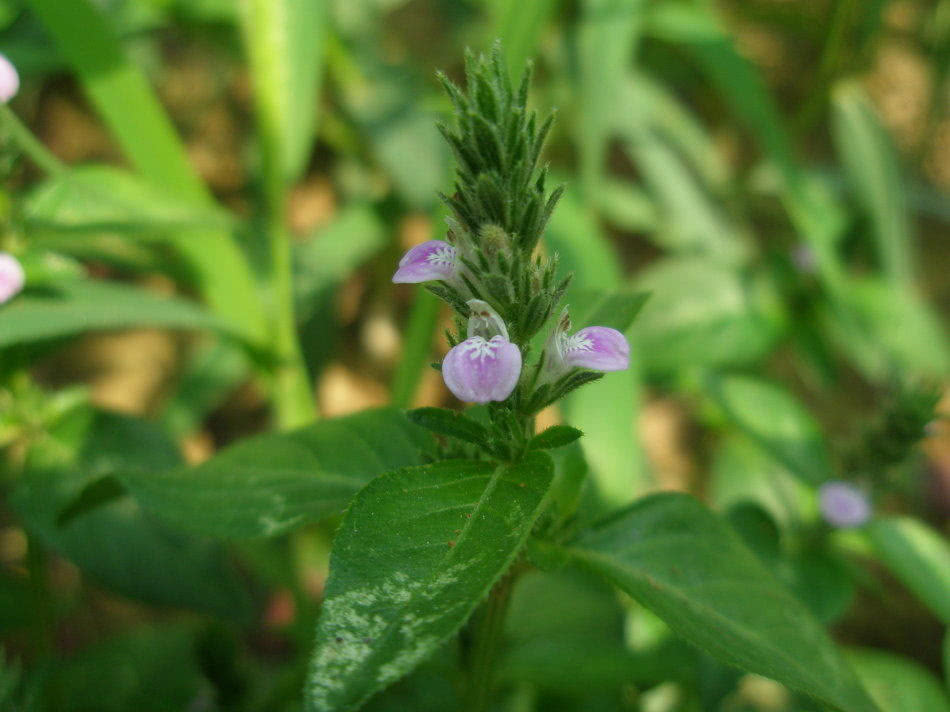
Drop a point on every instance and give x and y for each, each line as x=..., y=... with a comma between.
x=773, y=172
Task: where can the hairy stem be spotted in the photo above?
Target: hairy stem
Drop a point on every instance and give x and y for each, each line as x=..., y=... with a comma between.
x=488, y=634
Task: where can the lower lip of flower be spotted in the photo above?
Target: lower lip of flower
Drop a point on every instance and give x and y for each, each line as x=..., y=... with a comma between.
x=478, y=370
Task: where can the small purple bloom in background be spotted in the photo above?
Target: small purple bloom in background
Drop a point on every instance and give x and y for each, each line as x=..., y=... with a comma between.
x=9, y=80
x=803, y=257
x=427, y=262
x=12, y=277
x=843, y=504
x=486, y=366
x=598, y=348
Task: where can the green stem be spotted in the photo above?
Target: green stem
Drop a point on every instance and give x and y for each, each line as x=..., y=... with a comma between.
x=32, y=146
x=488, y=636
x=293, y=393
x=42, y=624
x=417, y=348
x=828, y=66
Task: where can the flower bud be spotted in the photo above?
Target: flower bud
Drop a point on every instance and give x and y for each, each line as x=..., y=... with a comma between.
x=12, y=277
x=598, y=348
x=427, y=262
x=9, y=80
x=843, y=505
x=479, y=371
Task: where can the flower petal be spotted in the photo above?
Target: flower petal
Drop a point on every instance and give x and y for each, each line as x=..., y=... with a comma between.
x=9, y=80
x=843, y=505
x=484, y=321
x=597, y=347
x=12, y=277
x=429, y=261
x=479, y=371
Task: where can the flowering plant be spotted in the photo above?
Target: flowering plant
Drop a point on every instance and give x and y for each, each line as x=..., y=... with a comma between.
x=482, y=558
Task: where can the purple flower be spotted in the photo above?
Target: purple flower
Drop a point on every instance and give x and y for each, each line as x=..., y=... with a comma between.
x=9, y=80
x=429, y=261
x=486, y=366
x=843, y=505
x=478, y=371
x=12, y=277
x=598, y=348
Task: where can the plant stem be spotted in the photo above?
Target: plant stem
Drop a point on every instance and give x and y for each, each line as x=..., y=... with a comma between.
x=293, y=397
x=32, y=146
x=487, y=639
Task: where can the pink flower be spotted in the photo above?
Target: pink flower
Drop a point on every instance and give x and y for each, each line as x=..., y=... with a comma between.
x=12, y=277
x=598, y=348
x=429, y=261
x=486, y=366
x=9, y=80
x=843, y=505
x=479, y=371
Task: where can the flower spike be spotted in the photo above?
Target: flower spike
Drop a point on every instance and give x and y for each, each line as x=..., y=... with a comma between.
x=12, y=277
x=598, y=348
x=427, y=262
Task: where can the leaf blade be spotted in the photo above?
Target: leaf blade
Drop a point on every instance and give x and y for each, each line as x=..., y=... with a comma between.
x=678, y=559
x=391, y=600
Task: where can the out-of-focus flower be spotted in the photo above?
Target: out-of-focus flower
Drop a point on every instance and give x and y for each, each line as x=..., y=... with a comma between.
x=598, y=348
x=9, y=80
x=429, y=261
x=486, y=366
x=843, y=504
x=12, y=277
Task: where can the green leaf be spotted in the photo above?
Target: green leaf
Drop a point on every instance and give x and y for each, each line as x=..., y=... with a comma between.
x=450, y=422
x=416, y=552
x=776, y=421
x=78, y=306
x=93, y=495
x=274, y=482
x=700, y=314
x=605, y=410
x=147, y=669
x=519, y=26
x=117, y=543
x=285, y=41
x=887, y=329
x=682, y=562
x=618, y=309
x=692, y=221
x=874, y=174
x=104, y=198
x=898, y=684
x=918, y=556
x=553, y=437
x=121, y=94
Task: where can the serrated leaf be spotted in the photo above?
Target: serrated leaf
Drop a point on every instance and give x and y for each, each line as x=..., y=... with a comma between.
x=450, y=422
x=682, y=562
x=78, y=306
x=555, y=436
x=274, y=482
x=776, y=421
x=416, y=552
x=918, y=556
